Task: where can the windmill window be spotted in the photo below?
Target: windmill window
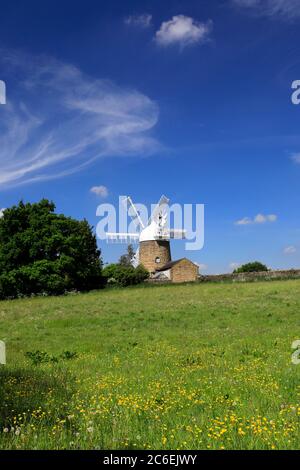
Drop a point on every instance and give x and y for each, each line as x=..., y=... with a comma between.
x=157, y=260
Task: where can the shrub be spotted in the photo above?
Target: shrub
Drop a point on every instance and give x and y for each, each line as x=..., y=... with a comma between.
x=254, y=267
x=42, y=357
x=141, y=274
x=125, y=275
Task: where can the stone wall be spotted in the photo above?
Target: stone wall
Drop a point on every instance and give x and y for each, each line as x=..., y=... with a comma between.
x=246, y=277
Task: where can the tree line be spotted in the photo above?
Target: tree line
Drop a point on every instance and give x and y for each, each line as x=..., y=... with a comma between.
x=42, y=252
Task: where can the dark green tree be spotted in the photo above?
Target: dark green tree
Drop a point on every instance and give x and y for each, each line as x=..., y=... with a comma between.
x=254, y=267
x=45, y=252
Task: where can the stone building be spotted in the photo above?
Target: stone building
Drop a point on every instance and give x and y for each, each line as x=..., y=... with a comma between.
x=181, y=270
x=155, y=256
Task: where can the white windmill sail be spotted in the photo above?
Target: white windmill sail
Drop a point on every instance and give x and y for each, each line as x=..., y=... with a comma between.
x=135, y=260
x=160, y=210
x=157, y=222
x=133, y=212
x=176, y=233
x=159, y=217
x=127, y=237
x=115, y=237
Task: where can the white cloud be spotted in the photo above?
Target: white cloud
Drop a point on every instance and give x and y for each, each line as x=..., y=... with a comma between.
x=244, y=221
x=141, y=21
x=258, y=219
x=183, y=30
x=289, y=250
x=295, y=157
x=101, y=191
x=2, y=212
x=262, y=219
x=58, y=120
x=288, y=9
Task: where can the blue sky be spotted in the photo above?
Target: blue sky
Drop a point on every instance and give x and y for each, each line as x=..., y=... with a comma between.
x=187, y=98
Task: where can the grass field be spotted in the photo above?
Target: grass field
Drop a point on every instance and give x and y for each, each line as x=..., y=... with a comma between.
x=180, y=367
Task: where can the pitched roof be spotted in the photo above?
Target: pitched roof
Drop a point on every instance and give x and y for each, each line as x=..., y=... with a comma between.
x=172, y=263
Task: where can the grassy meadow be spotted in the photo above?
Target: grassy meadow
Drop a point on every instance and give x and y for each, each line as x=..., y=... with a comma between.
x=166, y=367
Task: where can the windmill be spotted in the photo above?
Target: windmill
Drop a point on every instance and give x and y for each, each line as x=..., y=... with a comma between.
x=154, y=238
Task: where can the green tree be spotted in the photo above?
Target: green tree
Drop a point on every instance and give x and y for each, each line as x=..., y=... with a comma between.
x=125, y=260
x=254, y=267
x=45, y=252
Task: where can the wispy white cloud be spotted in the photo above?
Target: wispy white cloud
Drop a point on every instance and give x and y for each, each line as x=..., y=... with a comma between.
x=101, y=191
x=289, y=250
x=141, y=21
x=258, y=219
x=288, y=9
x=2, y=212
x=60, y=120
x=295, y=157
x=183, y=31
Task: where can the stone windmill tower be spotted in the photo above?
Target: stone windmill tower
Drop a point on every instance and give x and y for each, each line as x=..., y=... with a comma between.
x=154, y=239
